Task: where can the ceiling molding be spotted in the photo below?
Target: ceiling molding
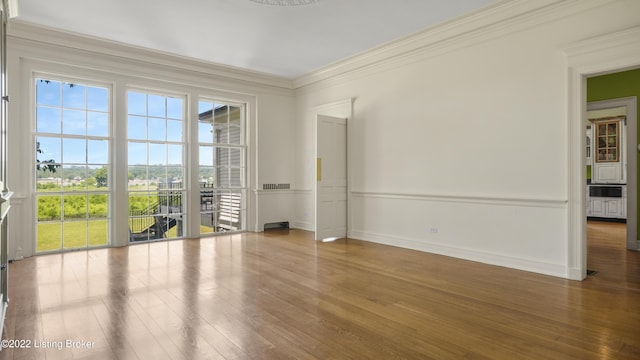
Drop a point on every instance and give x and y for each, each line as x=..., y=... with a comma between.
x=40, y=34
x=624, y=43
x=467, y=30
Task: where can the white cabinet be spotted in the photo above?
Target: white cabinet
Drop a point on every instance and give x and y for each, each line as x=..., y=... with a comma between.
x=607, y=201
x=606, y=207
x=605, y=150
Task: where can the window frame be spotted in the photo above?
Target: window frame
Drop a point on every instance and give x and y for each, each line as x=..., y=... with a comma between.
x=87, y=81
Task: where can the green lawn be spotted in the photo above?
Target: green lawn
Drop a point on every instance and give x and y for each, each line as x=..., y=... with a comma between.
x=50, y=234
x=75, y=233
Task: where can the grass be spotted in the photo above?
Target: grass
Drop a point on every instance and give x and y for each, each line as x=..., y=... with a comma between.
x=82, y=234
x=76, y=234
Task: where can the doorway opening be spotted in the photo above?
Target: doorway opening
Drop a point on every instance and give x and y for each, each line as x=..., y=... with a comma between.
x=611, y=167
x=611, y=54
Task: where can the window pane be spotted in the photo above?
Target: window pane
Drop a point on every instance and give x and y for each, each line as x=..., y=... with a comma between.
x=141, y=228
x=48, y=120
x=74, y=151
x=98, y=152
x=223, y=155
x=48, y=92
x=235, y=128
x=74, y=177
x=74, y=122
x=205, y=132
x=47, y=181
x=137, y=127
x=97, y=99
x=49, y=236
x=75, y=206
x=74, y=234
x=157, y=129
x=206, y=174
x=206, y=155
x=98, y=232
x=98, y=206
x=235, y=157
x=235, y=135
x=236, y=178
x=174, y=130
x=157, y=106
x=158, y=154
x=204, y=106
x=101, y=177
x=138, y=179
x=49, y=150
x=222, y=174
x=174, y=156
x=137, y=153
x=136, y=103
x=220, y=134
x=49, y=207
x=74, y=96
x=97, y=124
x=140, y=204
x=174, y=108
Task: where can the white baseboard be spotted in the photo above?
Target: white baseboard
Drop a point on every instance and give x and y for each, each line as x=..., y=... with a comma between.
x=302, y=225
x=467, y=254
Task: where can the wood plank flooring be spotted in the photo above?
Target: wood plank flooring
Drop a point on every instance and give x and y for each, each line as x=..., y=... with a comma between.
x=282, y=295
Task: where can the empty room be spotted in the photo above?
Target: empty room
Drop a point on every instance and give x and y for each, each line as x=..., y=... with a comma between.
x=319, y=179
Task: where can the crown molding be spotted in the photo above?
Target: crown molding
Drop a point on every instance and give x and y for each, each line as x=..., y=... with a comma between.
x=481, y=25
x=625, y=44
x=28, y=31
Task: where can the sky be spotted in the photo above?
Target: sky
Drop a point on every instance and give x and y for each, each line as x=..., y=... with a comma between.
x=73, y=125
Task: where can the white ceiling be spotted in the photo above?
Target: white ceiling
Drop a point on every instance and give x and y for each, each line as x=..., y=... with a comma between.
x=287, y=41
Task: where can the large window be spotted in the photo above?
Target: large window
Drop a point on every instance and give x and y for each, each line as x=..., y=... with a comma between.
x=156, y=166
x=222, y=168
x=72, y=164
x=95, y=169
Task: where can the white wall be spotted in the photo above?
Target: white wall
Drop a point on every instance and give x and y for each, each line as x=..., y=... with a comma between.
x=270, y=127
x=275, y=154
x=459, y=147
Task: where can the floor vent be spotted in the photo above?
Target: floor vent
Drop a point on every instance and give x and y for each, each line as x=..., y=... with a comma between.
x=276, y=186
x=591, y=272
x=282, y=225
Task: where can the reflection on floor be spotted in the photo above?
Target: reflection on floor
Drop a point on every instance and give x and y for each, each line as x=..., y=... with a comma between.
x=607, y=254
x=283, y=295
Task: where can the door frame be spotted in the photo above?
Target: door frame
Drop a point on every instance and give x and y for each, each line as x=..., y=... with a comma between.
x=342, y=109
x=608, y=53
x=630, y=103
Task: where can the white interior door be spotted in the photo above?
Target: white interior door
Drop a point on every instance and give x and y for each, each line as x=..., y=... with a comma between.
x=331, y=177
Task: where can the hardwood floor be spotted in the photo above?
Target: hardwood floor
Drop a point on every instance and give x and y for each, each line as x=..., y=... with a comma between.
x=282, y=295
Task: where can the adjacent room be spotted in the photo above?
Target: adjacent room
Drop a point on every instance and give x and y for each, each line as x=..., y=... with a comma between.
x=313, y=179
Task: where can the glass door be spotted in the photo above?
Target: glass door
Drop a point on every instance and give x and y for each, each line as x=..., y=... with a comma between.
x=156, y=165
x=72, y=184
